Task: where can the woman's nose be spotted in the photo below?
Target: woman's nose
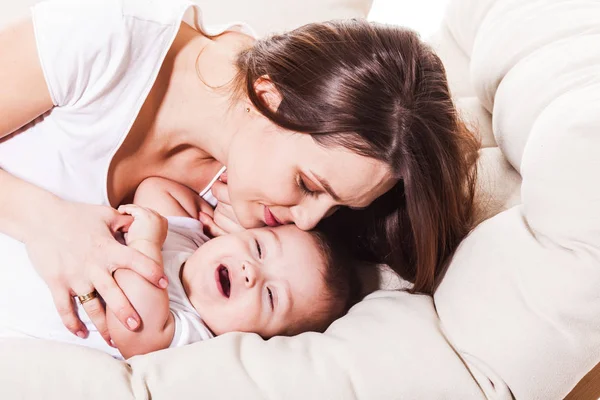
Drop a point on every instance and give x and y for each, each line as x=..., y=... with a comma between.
x=249, y=275
x=307, y=216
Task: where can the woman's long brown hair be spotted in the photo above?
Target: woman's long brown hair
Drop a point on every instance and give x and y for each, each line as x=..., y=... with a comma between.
x=383, y=93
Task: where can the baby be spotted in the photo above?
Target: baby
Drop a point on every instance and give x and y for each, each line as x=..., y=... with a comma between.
x=270, y=281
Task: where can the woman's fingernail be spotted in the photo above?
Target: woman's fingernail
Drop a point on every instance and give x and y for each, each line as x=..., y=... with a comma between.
x=112, y=343
x=81, y=334
x=132, y=323
x=163, y=283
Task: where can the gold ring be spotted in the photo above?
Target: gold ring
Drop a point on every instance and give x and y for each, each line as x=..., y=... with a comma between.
x=87, y=297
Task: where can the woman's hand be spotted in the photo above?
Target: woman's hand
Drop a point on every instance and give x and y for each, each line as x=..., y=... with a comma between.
x=223, y=220
x=75, y=252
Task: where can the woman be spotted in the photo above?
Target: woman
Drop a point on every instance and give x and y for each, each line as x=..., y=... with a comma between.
x=330, y=115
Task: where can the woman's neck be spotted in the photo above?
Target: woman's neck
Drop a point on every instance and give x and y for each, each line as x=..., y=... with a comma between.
x=195, y=108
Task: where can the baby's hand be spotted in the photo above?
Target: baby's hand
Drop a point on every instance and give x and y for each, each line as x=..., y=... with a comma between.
x=147, y=225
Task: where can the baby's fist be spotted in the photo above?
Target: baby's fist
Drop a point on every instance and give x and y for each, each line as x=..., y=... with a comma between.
x=147, y=225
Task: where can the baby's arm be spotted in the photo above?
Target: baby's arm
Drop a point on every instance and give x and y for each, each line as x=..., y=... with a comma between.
x=170, y=199
x=152, y=304
x=146, y=234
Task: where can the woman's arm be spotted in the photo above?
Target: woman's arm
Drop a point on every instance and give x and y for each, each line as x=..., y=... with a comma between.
x=72, y=247
x=22, y=205
x=24, y=95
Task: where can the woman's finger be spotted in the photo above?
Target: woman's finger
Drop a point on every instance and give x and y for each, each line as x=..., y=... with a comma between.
x=210, y=227
x=126, y=257
x=65, y=306
x=223, y=177
x=117, y=302
x=95, y=311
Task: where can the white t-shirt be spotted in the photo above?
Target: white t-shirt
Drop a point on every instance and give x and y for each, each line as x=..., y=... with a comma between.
x=26, y=307
x=100, y=59
x=184, y=237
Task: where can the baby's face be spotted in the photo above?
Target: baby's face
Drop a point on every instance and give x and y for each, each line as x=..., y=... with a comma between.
x=260, y=280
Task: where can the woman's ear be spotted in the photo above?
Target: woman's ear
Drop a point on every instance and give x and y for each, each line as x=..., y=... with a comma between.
x=267, y=92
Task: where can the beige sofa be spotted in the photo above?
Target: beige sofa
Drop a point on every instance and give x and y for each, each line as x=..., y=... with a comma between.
x=518, y=313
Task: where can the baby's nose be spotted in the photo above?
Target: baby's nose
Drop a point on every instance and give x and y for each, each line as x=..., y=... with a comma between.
x=249, y=274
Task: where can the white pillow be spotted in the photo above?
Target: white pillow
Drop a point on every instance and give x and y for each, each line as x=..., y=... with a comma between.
x=268, y=16
x=389, y=345
x=263, y=15
x=521, y=300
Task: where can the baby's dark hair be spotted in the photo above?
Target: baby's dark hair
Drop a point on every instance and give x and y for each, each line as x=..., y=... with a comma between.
x=341, y=282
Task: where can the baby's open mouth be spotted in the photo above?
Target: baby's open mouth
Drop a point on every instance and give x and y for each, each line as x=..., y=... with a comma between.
x=223, y=280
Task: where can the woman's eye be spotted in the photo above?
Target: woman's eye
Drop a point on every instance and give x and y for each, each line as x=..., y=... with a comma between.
x=304, y=188
x=271, y=298
x=258, y=248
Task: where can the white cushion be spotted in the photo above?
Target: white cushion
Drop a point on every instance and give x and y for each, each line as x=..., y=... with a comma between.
x=279, y=16
x=521, y=296
x=389, y=344
x=264, y=16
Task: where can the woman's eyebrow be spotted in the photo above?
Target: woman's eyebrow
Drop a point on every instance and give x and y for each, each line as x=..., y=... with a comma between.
x=327, y=187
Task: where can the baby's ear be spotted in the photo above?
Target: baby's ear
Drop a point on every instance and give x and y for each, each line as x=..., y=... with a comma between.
x=267, y=92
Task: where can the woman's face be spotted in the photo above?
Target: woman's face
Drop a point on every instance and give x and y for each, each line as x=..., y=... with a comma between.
x=280, y=177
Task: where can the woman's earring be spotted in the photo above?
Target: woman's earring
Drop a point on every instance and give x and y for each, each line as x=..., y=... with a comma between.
x=247, y=109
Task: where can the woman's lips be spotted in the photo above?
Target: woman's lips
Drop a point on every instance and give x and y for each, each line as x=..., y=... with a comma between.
x=270, y=219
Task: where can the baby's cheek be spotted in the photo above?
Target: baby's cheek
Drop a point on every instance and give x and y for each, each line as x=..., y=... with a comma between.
x=245, y=317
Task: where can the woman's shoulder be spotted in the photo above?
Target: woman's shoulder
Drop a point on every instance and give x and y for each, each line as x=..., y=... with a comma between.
x=85, y=46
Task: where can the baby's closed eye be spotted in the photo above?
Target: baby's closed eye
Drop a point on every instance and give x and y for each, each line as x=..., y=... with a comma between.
x=258, y=248
x=271, y=302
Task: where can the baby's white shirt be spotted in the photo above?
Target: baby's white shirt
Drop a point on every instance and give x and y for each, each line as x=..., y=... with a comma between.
x=184, y=237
